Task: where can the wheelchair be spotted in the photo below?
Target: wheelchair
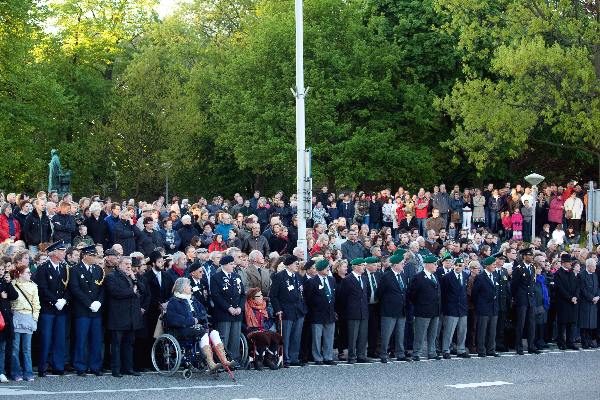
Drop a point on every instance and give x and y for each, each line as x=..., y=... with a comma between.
x=170, y=355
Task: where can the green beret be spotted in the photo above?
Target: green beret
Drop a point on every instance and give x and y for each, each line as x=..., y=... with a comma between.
x=447, y=257
x=400, y=252
x=489, y=261
x=322, y=264
x=459, y=260
x=371, y=260
x=357, y=261
x=396, y=259
x=430, y=260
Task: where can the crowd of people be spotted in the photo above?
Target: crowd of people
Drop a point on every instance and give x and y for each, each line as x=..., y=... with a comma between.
x=87, y=285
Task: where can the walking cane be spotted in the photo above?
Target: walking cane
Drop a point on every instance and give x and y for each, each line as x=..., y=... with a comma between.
x=222, y=358
x=281, y=332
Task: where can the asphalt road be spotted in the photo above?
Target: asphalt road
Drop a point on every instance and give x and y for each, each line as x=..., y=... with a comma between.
x=553, y=375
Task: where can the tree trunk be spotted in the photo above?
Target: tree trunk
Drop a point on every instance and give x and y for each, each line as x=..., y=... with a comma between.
x=259, y=183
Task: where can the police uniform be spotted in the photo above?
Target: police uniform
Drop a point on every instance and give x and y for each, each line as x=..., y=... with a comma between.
x=52, y=280
x=87, y=291
x=522, y=288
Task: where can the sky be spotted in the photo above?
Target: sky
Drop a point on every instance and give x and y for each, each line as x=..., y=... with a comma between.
x=166, y=7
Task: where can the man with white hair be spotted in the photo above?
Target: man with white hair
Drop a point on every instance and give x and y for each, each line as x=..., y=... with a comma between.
x=258, y=276
x=588, y=306
x=96, y=226
x=177, y=269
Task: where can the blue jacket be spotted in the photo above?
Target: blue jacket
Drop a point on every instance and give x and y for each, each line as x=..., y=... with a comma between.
x=485, y=295
x=392, y=297
x=425, y=296
x=454, y=295
x=179, y=313
x=286, y=295
x=320, y=309
x=176, y=238
x=352, y=299
x=226, y=292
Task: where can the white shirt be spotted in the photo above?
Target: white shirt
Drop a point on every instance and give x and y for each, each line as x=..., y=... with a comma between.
x=158, y=276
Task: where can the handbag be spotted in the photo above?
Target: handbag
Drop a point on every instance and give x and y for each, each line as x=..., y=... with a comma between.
x=455, y=217
x=569, y=214
x=158, y=329
x=2, y=322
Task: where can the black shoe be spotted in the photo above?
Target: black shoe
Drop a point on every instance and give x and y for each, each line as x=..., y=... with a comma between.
x=351, y=361
x=435, y=358
x=520, y=352
x=98, y=373
x=318, y=362
x=59, y=373
x=407, y=359
x=117, y=375
x=481, y=355
x=416, y=358
x=464, y=355
x=572, y=347
x=286, y=365
x=363, y=361
x=81, y=373
x=534, y=351
x=493, y=354
x=446, y=356
x=132, y=373
x=384, y=360
x=329, y=362
x=453, y=352
x=372, y=355
x=42, y=374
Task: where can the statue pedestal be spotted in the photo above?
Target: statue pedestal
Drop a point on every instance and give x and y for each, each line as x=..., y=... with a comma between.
x=64, y=182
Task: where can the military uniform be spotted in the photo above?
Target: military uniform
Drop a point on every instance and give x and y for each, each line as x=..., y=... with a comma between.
x=522, y=288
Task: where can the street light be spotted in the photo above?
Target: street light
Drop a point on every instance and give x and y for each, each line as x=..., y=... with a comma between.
x=534, y=180
x=167, y=166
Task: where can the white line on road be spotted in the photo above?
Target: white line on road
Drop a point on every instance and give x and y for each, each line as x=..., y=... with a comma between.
x=480, y=384
x=18, y=392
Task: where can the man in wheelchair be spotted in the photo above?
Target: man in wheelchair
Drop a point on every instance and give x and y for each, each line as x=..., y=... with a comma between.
x=186, y=318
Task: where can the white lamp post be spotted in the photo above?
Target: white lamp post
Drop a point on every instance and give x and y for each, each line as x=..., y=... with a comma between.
x=534, y=180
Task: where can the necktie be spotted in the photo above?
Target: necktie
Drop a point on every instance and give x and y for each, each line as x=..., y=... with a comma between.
x=491, y=277
x=400, y=281
x=373, y=282
x=459, y=277
x=360, y=281
x=327, y=291
x=433, y=279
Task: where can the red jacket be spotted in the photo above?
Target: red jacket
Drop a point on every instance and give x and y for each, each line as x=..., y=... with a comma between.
x=4, y=228
x=214, y=246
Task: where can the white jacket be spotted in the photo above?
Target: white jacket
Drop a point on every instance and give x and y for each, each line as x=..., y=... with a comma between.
x=574, y=205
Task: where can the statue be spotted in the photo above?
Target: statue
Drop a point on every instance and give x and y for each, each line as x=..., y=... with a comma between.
x=55, y=170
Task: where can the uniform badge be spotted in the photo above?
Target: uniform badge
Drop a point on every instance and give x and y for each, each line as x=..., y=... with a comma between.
x=195, y=289
x=82, y=276
x=320, y=287
x=49, y=276
x=291, y=287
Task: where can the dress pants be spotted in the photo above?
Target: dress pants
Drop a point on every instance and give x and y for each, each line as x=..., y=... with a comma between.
x=486, y=334
x=230, y=332
x=374, y=329
x=425, y=328
x=566, y=330
x=500, y=328
x=450, y=325
x=52, y=333
x=88, y=340
x=391, y=325
x=322, y=341
x=292, y=335
x=524, y=313
x=357, y=339
x=121, y=351
x=409, y=327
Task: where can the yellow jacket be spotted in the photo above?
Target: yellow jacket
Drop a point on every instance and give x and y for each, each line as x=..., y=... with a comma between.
x=21, y=305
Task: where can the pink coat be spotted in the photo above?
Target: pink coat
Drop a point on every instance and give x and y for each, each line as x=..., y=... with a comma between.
x=555, y=214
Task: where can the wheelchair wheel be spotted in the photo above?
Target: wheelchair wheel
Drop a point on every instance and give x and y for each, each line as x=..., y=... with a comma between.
x=244, y=351
x=166, y=355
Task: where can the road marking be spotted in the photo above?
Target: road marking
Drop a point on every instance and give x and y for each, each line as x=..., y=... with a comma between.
x=480, y=384
x=19, y=392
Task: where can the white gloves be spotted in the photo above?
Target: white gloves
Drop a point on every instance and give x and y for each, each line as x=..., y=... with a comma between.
x=60, y=303
x=95, y=306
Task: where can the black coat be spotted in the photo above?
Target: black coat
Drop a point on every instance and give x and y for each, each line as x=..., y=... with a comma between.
x=180, y=315
x=5, y=308
x=375, y=212
x=125, y=234
x=522, y=285
x=392, y=298
x=588, y=311
x=377, y=276
x=36, y=230
x=320, y=310
x=158, y=294
x=225, y=293
x=354, y=300
x=98, y=230
x=286, y=295
x=425, y=296
x=200, y=292
x=86, y=287
x=124, y=305
x=504, y=296
x=51, y=287
x=454, y=295
x=566, y=287
x=186, y=233
x=64, y=227
x=485, y=295
x=148, y=241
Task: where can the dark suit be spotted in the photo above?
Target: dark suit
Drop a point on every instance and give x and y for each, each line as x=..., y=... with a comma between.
x=52, y=324
x=522, y=288
x=320, y=301
x=354, y=304
x=228, y=292
x=124, y=318
x=391, y=293
x=454, y=310
x=485, y=295
x=425, y=294
x=374, y=314
x=566, y=287
x=588, y=311
x=286, y=296
x=504, y=302
x=86, y=287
